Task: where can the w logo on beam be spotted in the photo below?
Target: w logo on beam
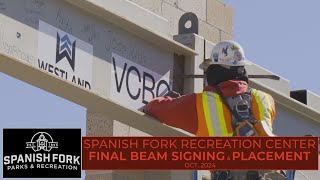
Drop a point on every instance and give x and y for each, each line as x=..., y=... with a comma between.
x=65, y=50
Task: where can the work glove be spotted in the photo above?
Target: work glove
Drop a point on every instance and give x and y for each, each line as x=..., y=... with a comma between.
x=173, y=94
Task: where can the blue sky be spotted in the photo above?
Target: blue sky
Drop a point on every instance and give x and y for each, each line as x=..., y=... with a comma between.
x=281, y=36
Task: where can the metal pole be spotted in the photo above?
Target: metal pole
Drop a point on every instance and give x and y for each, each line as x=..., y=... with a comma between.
x=274, y=77
x=195, y=175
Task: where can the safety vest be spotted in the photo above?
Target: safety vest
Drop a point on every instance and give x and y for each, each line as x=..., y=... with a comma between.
x=214, y=118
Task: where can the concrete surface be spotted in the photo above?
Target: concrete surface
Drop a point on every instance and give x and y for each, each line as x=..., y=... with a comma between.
x=191, y=65
x=198, y=7
x=209, y=32
x=172, y=14
x=140, y=15
x=225, y=36
x=313, y=100
x=220, y=15
x=154, y=6
x=282, y=85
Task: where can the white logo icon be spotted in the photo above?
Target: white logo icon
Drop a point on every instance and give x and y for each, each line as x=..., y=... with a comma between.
x=42, y=141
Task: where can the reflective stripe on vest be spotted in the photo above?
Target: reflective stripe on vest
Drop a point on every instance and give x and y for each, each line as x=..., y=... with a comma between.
x=262, y=107
x=214, y=118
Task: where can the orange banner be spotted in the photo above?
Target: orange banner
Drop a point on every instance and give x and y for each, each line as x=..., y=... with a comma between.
x=142, y=153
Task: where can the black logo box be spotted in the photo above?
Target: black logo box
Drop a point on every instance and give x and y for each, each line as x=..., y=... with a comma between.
x=15, y=141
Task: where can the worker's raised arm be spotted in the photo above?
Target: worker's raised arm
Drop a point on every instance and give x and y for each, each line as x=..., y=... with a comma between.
x=178, y=112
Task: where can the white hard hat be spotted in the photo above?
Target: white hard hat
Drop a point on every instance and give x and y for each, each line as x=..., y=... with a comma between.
x=228, y=53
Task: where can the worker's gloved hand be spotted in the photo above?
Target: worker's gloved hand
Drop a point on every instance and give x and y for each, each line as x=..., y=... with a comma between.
x=173, y=94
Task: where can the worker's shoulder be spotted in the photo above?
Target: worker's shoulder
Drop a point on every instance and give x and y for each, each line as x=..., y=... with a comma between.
x=260, y=95
x=208, y=93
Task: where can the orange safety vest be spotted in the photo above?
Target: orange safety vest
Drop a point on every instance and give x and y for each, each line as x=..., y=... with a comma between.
x=214, y=118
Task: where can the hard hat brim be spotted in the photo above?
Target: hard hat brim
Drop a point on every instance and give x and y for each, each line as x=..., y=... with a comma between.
x=205, y=64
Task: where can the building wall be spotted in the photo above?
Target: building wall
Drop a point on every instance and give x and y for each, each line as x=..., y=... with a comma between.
x=19, y=38
x=215, y=17
x=23, y=17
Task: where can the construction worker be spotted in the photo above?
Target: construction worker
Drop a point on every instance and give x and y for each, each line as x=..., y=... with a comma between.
x=226, y=107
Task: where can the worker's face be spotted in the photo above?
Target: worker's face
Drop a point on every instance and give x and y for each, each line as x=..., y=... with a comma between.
x=218, y=73
x=238, y=69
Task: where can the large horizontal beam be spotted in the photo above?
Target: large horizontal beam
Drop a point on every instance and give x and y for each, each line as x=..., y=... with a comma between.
x=141, y=31
x=96, y=103
x=60, y=87
x=288, y=102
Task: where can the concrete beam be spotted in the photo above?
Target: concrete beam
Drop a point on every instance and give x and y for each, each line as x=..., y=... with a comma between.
x=96, y=103
x=306, y=97
x=153, y=6
x=313, y=100
x=303, y=110
x=281, y=85
x=111, y=13
x=172, y=14
x=191, y=65
x=172, y=2
x=146, y=13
